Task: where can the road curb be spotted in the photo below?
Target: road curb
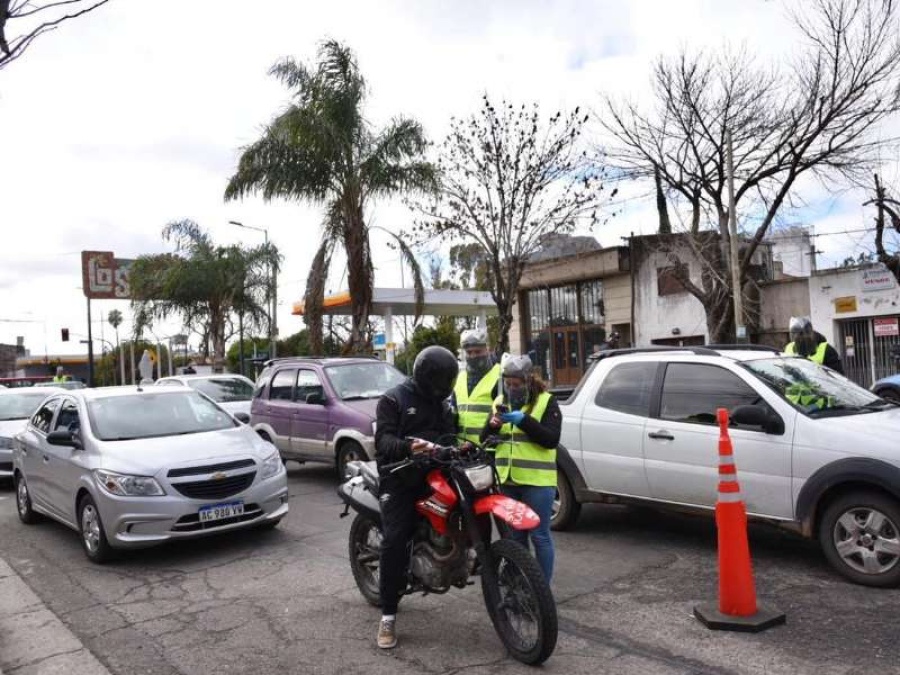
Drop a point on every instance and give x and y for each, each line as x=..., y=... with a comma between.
x=33, y=640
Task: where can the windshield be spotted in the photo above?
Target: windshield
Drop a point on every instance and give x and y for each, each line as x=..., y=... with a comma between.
x=363, y=380
x=812, y=389
x=148, y=415
x=20, y=406
x=224, y=389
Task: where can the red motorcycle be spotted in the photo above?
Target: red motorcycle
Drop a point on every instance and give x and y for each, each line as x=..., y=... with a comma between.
x=452, y=542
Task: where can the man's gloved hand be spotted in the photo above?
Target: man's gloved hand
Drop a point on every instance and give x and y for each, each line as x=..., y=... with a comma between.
x=466, y=447
x=513, y=417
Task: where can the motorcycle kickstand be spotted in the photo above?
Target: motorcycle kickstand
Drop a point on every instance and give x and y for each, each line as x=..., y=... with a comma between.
x=346, y=511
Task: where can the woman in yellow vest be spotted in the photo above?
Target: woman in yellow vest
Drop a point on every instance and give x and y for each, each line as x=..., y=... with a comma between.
x=528, y=422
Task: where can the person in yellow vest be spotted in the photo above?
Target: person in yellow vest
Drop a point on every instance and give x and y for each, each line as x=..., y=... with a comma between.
x=812, y=345
x=527, y=420
x=476, y=387
x=60, y=375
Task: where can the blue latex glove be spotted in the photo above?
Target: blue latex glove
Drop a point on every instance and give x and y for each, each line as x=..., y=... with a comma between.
x=513, y=417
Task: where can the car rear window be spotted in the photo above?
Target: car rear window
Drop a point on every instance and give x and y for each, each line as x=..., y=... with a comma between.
x=627, y=388
x=224, y=389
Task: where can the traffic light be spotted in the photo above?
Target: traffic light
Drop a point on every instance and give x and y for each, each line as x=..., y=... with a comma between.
x=65, y=334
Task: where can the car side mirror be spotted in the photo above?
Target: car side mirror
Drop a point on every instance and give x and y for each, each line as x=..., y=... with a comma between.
x=315, y=399
x=242, y=417
x=65, y=438
x=758, y=416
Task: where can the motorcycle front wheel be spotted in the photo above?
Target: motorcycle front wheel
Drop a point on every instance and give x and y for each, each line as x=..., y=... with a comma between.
x=365, y=556
x=520, y=605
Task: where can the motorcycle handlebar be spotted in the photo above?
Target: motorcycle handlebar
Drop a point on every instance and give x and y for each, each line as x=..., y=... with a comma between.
x=439, y=454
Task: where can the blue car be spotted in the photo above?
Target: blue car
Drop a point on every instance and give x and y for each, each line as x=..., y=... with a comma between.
x=889, y=388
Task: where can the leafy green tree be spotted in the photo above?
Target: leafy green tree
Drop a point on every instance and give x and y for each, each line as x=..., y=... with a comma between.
x=203, y=283
x=443, y=334
x=322, y=150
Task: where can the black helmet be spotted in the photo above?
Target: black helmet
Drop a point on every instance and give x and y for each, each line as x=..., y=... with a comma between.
x=435, y=371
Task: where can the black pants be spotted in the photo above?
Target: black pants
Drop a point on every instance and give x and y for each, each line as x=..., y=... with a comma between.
x=398, y=522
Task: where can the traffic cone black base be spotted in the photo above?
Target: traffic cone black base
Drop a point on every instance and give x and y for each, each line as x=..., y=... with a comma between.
x=709, y=615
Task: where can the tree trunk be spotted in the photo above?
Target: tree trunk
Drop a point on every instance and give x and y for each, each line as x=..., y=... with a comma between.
x=359, y=280
x=505, y=320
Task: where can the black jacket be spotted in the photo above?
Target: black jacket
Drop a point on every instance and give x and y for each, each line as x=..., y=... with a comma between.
x=545, y=433
x=404, y=412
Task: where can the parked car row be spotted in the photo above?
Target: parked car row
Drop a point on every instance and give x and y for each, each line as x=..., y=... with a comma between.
x=192, y=455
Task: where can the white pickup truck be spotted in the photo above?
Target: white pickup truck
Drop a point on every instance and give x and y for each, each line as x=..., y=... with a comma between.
x=815, y=453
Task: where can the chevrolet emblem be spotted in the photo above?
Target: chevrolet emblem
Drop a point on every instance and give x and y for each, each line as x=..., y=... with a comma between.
x=218, y=476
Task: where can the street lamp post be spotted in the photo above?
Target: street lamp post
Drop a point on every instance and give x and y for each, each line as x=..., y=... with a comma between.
x=273, y=320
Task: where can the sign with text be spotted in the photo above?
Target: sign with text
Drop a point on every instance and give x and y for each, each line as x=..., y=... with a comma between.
x=105, y=277
x=845, y=304
x=877, y=279
x=886, y=327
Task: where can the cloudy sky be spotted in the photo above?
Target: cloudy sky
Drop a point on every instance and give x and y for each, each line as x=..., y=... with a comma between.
x=133, y=116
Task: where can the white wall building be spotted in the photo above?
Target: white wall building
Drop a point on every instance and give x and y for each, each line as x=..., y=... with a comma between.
x=858, y=312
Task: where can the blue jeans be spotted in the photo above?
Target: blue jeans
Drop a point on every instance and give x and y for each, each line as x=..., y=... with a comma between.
x=540, y=499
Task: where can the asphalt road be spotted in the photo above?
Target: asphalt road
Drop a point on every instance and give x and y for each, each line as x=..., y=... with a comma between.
x=285, y=602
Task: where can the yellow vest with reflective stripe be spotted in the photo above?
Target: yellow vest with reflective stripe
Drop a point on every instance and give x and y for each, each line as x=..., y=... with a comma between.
x=520, y=460
x=817, y=357
x=474, y=409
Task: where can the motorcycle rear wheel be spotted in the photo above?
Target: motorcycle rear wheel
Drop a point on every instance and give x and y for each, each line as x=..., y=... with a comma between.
x=521, y=605
x=365, y=556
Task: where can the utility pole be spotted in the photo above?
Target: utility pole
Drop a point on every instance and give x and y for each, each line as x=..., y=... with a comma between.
x=740, y=328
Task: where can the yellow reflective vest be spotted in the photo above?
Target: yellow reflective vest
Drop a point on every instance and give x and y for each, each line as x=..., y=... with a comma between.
x=518, y=459
x=475, y=409
x=817, y=357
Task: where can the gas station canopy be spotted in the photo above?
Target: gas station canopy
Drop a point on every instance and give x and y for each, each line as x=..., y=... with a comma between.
x=402, y=302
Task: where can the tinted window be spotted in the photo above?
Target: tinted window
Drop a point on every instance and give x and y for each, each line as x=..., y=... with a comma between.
x=20, y=406
x=262, y=381
x=308, y=383
x=68, y=417
x=43, y=417
x=627, y=387
x=693, y=392
x=149, y=415
x=282, y=388
x=224, y=389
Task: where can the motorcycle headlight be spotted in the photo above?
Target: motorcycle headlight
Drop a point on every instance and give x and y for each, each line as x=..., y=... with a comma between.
x=6, y=443
x=481, y=477
x=271, y=466
x=129, y=486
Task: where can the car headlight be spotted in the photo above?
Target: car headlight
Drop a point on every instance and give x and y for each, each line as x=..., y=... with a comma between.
x=6, y=443
x=271, y=466
x=129, y=486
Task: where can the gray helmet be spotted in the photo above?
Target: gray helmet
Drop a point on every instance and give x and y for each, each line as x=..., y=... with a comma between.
x=475, y=337
x=517, y=366
x=800, y=325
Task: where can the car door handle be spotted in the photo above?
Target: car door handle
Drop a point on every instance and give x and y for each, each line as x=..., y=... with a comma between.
x=661, y=436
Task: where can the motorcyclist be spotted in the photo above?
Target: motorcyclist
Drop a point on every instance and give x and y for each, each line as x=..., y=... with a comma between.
x=410, y=418
x=476, y=387
x=809, y=344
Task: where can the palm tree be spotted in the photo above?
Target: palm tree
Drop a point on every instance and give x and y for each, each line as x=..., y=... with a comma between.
x=322, y=150
x=114, y=318
x=206, y=284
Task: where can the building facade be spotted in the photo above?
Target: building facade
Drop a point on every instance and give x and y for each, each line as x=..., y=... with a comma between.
x=568, y=305
x=858, y=312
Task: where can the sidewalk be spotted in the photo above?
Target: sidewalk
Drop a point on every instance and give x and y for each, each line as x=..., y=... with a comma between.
x=33, y=641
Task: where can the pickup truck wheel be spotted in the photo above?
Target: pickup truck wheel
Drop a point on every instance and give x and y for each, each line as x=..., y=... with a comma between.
x=565, y=508
x=860, y=536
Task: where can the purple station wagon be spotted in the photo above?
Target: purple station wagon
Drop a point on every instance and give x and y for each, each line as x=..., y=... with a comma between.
x=321, y=410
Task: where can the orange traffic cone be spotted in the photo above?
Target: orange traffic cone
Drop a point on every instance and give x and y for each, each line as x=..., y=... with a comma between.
x=737, y=608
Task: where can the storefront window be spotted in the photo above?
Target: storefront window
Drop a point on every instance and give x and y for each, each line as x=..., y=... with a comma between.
x=564, y=305
x=592, y=309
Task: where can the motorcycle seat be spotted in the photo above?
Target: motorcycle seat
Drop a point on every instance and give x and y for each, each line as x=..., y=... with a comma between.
x=369, y=473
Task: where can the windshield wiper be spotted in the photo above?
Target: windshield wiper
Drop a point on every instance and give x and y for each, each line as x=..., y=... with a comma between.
x=879, y=404
x=840, y=409
x=358, y=397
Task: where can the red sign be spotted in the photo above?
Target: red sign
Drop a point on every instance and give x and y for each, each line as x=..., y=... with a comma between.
x=103, y=276
x=886, y=328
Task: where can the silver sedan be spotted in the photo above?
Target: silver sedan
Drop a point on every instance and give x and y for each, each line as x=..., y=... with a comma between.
x=128, y=467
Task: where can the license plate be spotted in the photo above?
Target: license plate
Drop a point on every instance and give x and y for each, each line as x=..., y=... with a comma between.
x=221, y=511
